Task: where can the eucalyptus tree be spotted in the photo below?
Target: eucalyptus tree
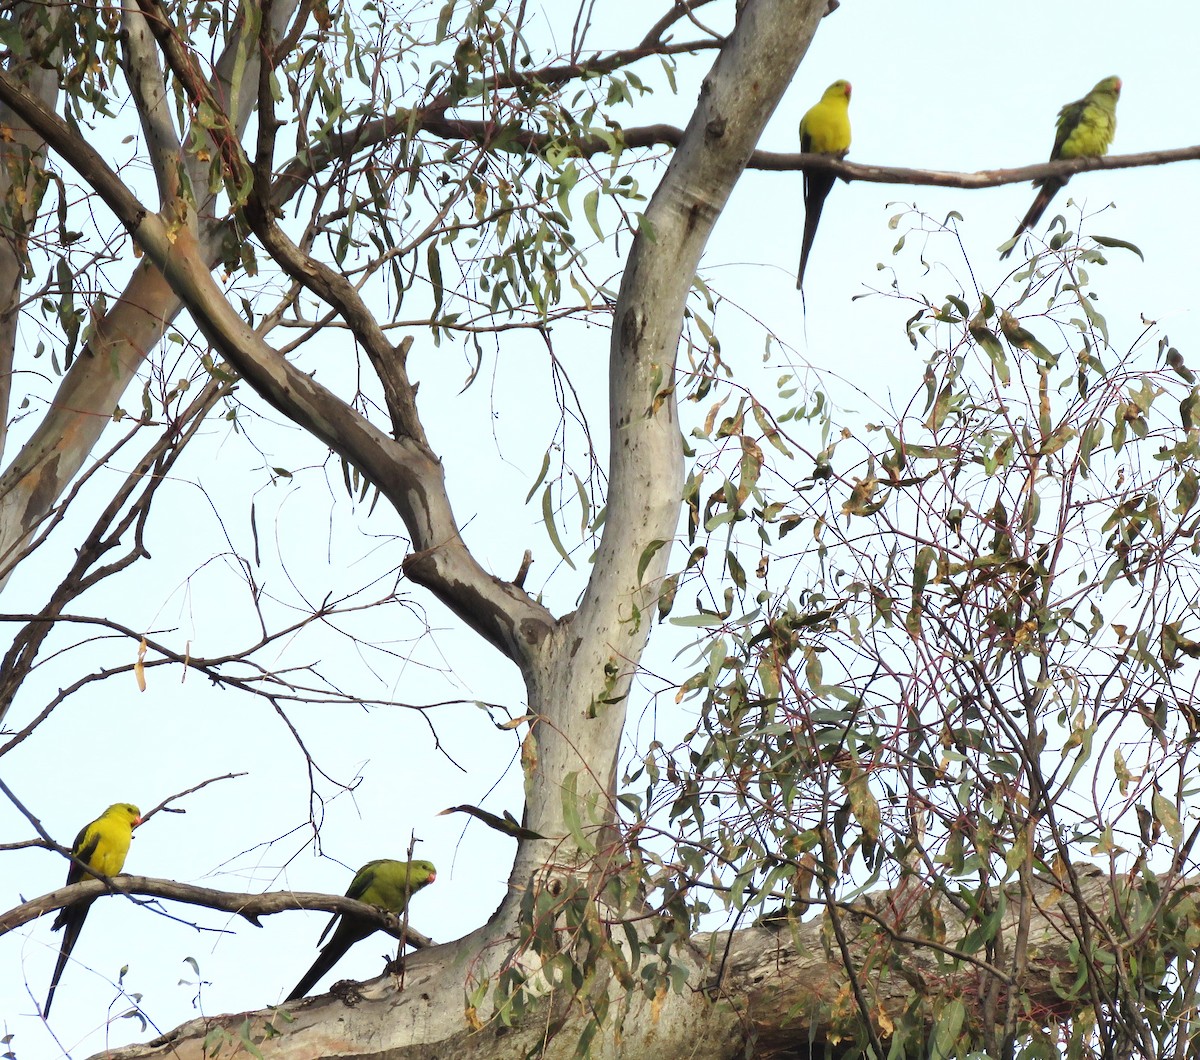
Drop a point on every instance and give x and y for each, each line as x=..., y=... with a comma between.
x=916, y=764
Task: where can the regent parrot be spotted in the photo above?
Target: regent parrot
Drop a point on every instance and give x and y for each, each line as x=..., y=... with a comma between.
x=387, y=884
x=825, y=130
x=1085, y=129
x=101, y=846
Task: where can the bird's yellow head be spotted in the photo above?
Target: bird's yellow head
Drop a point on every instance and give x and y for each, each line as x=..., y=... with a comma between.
x=838, y=88
x=1110, y=86
x=127, y=811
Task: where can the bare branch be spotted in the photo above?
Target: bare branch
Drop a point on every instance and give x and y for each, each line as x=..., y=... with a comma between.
x=120, y=341
x=149, y=89
x=984, y=178
x=377, y=131
x=248, y=906
x=403, y=469
x=106, y=534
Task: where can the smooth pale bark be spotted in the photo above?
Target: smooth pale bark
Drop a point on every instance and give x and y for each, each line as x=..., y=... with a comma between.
x=582, y=679
x=22, y=154
x=91, y=389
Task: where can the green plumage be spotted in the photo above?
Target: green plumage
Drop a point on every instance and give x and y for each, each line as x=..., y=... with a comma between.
x=1085, y=130
x=383, y=883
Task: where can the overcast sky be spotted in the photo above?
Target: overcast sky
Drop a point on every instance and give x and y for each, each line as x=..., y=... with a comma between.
x=956, y=86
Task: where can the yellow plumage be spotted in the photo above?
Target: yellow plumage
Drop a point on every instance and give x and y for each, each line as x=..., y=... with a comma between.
x=101, y=845
x=824, y=129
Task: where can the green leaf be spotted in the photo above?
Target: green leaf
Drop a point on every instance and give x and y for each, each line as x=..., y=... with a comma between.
x=736, y=571
x=552, y=527
x=435, y=277
x=946, y=1030
x=987, y=338
x=571, y=813
x=1058, y=438
x=585, y=504
x=1186, y=493
x=540, y=478
x=591, y=204
x=931, y=452
x=443, y=21
x=647, y=555
x=1117, y=244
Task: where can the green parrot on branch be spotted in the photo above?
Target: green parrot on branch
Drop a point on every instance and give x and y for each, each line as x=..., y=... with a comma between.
x=824, y=130
x=384, y=883
x=1085, y=130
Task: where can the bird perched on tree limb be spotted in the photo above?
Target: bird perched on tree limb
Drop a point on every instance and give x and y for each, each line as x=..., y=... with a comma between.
x=100, y=846
x=824, y=130
x=387, y=884
x=1085, y=130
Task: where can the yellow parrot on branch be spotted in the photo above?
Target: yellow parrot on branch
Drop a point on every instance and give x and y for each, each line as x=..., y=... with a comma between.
x=824, y=130
x=101, y=846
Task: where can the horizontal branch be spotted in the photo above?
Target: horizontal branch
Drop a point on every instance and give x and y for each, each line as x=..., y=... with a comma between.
x=370, y=134
x=783, y=976
x=983, y=178
x=248, y=906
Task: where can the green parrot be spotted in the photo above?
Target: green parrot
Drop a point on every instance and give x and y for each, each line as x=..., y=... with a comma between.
x=387, y=884
x=101, y=845
x=825, y=130
x=1085, y=130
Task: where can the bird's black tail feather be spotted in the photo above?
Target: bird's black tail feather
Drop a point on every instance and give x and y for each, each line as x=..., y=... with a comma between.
x=1046, y=192
x=349, y=931
x=817, y=187
x=71, y=917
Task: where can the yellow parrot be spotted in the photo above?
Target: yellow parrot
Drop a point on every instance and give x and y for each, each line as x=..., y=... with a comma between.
x=387, y=884
x=1085, y=130
x=101, y=846
x=825, y=130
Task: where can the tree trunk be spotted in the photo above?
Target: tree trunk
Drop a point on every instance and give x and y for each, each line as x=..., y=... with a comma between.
x=778, y=988
x=578, y=670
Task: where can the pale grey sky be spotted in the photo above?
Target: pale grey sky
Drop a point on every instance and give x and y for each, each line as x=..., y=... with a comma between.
x=936, y=84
